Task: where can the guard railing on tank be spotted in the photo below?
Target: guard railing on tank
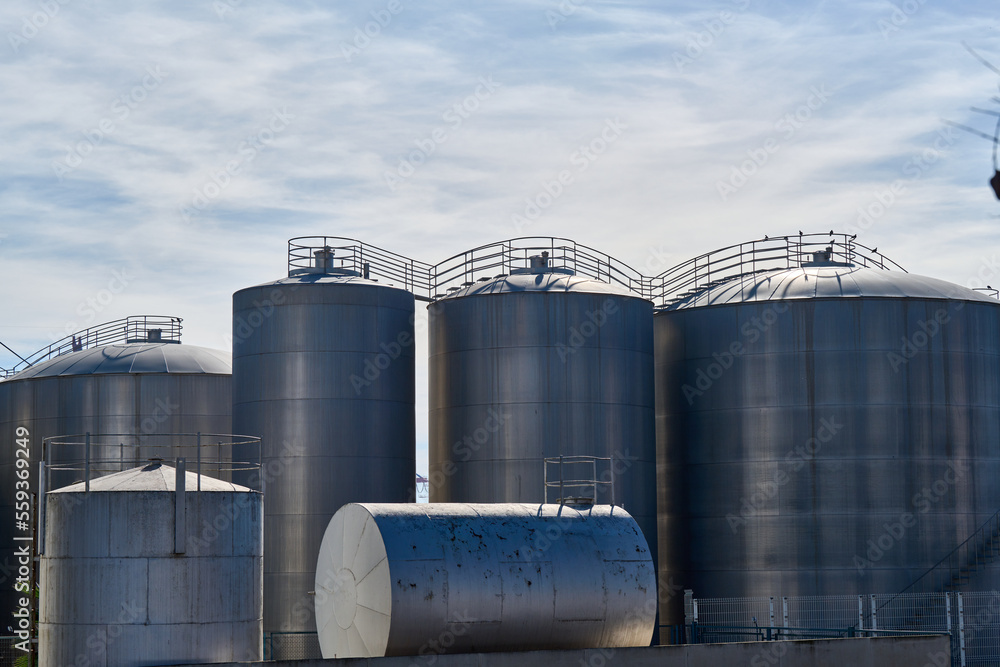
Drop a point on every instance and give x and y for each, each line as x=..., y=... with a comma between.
x=766, y=254
x=502, y=258
x=94, y=455
x=132, y=329
x=86, y=456
x=575, y=487
x=362, y=259
x=429, y=282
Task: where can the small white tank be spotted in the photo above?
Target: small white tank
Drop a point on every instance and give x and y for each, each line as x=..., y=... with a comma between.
x=136, y=573
x=405, y=579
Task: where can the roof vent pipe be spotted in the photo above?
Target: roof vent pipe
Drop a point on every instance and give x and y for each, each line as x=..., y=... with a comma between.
x=324, y=258
x=822, y=255
x=540, y=261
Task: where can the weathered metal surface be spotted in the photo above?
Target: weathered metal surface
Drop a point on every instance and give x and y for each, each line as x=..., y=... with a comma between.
x=533, y=366
x=402, y=579
x=824, y=430
x=114, y=592
x=140, y=389
x=323, y=371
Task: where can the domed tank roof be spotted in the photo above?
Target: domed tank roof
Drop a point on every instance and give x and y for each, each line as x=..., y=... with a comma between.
x=152, y=477
x=133, y=358
x=314, y=278
x=553, y=281
x=826, y=280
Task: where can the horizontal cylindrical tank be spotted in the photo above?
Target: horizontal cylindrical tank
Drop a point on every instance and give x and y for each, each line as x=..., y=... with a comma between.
x=824, y=430
x=323, y=371
x=142, y=389
x=120, y=587
x=539, y=364
x=403, y=579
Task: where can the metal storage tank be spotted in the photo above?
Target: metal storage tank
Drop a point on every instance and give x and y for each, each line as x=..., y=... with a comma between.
x=132, y=377
x=541, y=362
x=391, y=579
x=323, y=371
x=823, y=428
x=131, y=575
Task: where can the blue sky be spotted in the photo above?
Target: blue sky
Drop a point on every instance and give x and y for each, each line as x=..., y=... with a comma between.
x=176, y=146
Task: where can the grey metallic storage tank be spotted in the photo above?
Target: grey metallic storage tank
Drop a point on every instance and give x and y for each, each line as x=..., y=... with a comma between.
x=118, y=589
x=137, y=388
x=323, y=371
x=824, y=429
x=539, y=364
x=459, y=578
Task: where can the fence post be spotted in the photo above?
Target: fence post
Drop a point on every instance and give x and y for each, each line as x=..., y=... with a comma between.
x=861, y=613
x=694, y=626
x=770, y=604
x=951, y=635
x=947, y=612
x=874, y=614
x=961, y=629
x=784, y=611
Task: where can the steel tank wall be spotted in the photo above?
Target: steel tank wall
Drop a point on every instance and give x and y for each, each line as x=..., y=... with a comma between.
x=323, y=372
x=502, y=577
x=139, y=389
x=823, y=446
x=534, y=366
x=115, y=593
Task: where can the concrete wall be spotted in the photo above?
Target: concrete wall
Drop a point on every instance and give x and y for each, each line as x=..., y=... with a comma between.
x=922, y=651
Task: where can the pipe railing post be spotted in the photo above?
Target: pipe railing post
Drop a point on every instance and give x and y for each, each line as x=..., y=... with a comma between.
x=180, y=507
x=42, y=470
x=562, y=497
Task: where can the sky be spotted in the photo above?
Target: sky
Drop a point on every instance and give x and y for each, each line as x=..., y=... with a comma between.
x=157, y=156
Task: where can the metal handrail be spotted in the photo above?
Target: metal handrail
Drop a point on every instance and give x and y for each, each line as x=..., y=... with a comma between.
x=93, y=467
x=131, y=329
x=766, y=254
x=429, y=282
x=503, y=257
x=90, y=464
x=593, y=482
x=361, y=259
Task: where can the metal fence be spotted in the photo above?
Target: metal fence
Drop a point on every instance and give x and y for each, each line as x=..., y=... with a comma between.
x=291, y=646
x=9, y=655
x=971, y=619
